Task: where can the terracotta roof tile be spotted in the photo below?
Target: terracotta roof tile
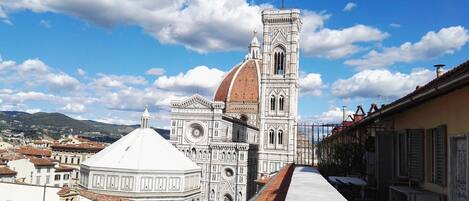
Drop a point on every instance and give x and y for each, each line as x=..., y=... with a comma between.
x=222, y=91
x=244, y=82
x=90, y=146
x=41, y=161
x=277, y=187
x=29, y=151
x=64, y=169
x=6, y=171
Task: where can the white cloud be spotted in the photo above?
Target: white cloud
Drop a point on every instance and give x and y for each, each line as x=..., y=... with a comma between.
x=193, y=81
x=333, y=115
x=311, y=84
x=334, y=43
x=4, y=65
x=155, y=71
x=117, y=81
x=431, y=45
x=204, y=25
x=61, y=81
x=349, y=6
x=11, y=97
x=201, y=25
x=81, y=72
x=374, y=83
x=33, y=66
x=74, y=108
x=33, y=110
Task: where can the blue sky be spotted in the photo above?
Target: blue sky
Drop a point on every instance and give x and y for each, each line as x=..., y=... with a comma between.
x=91, y=59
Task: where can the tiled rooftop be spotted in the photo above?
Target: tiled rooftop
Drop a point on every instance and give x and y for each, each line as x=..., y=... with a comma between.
x=30, y=151
x=6, y=171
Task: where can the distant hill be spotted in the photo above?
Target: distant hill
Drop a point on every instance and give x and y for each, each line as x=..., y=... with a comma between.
x=58, y=122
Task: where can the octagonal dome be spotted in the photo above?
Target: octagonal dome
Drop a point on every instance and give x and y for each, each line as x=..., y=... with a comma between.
x=241, y=84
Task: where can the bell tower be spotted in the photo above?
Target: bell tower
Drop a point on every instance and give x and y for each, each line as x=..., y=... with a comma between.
x=279, y=88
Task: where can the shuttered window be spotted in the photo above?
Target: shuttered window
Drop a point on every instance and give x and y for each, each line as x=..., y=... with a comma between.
x=402, y=154
x=436, y=155
x=415, y=154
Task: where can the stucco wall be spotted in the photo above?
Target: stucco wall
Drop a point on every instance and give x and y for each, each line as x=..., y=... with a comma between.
x=451, y=110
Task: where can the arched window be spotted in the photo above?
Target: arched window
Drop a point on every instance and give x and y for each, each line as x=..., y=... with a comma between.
x=280, y=137
x=272, y=103
x=194, y=154
x=281, y=103
x=279, y=61
x=271, y=136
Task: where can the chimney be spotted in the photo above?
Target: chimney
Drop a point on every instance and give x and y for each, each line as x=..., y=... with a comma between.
x=344, y=115
x=439, y=69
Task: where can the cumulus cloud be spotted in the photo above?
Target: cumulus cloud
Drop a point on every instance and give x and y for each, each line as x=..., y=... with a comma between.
x=4, y=65
x=381, y=82
x=349, y=6
x=311, y=84
x=33, y=72
x=61, y=81
x=117, y=81
x=155, y=71
x=200, y=25
x=204, y=25
x=81, y=72
x=193, y=81
x=431, y=45
x=316, y=40
x=332, y=115
x=33, y=66
x=74, y=108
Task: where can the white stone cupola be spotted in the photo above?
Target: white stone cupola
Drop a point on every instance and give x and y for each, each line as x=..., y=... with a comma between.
x=145, y=119
x=254, y=47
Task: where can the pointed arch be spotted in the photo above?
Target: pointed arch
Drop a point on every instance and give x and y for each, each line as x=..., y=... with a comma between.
x=279, y=60
x=280, y=136
x=271, y=136
x=281, y=103
x=272, y=103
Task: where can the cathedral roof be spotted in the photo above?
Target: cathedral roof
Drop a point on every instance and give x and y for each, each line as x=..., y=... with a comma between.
x=141, y=150
x=241, y=84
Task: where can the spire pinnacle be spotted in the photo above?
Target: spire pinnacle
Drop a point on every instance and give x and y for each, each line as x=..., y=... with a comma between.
x=145, y=121
x=254, y=47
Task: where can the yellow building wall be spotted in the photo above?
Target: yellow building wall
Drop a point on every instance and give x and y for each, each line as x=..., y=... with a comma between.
x=451, y=109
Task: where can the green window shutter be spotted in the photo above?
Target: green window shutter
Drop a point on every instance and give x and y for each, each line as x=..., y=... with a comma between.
x=440, y=155
x=416, y=154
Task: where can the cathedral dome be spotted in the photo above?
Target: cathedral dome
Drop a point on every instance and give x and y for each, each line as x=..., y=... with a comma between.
x=241, y=84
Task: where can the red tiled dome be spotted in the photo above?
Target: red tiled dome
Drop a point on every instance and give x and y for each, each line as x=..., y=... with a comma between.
x=241, y=84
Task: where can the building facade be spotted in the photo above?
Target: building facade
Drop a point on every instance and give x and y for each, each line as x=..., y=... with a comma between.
x=41, y=171
x=249, y=129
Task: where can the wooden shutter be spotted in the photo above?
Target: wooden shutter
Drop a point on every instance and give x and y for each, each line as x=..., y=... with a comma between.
x=385, y=156
x=416, y=154
x=440, y=155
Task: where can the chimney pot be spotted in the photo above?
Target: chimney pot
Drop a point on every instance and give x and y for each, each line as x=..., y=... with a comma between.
x=439, y=69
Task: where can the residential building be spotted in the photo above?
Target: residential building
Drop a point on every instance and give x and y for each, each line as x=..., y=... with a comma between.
x=41, y=171
x=7, y=175
x=418, y=144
